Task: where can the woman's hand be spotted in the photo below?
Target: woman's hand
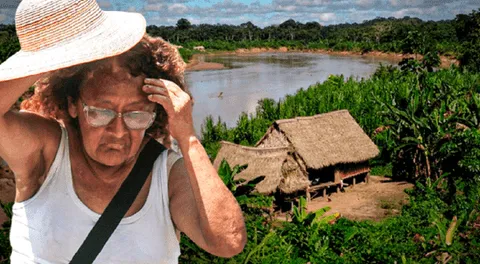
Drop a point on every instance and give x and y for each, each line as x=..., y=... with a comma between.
x=177, y=104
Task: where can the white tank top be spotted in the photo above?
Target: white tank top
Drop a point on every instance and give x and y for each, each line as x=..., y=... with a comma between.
x=51, y=226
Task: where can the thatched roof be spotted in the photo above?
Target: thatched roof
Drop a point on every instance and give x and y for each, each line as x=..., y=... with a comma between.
x=326, y=139
x=273, y=163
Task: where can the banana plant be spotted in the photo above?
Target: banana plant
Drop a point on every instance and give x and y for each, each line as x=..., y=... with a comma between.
x=422, y=118
x=301, y=216
x=243, y=190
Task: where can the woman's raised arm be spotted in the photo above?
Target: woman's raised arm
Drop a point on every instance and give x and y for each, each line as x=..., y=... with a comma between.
x=25, y=138
x=200, y=204
x=11, y=90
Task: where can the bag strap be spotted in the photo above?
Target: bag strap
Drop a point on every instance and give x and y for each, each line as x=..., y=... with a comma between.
x=118, y=207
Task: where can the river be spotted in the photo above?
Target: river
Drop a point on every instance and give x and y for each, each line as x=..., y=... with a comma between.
x=250, y=77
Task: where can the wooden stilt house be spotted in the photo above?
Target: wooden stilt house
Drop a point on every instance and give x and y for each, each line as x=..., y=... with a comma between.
x=310, y=153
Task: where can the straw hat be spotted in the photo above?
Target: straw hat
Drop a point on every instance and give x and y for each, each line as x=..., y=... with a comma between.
x=56, y=34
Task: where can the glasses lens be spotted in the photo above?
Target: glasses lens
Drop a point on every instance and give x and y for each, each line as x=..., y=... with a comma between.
x=138, y=119
x=99, y=117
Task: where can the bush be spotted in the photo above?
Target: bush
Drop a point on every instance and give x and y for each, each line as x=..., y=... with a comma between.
x=186, y=54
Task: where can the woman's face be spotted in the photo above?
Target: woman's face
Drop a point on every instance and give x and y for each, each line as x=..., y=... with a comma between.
x=115, y=143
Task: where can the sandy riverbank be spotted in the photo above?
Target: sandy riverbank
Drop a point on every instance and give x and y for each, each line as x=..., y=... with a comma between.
x=197, y=64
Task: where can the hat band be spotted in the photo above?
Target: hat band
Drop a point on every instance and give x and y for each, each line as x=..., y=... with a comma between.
x=56, y=28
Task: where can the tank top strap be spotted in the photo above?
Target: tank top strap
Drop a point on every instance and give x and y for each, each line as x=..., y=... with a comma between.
x=160, y=172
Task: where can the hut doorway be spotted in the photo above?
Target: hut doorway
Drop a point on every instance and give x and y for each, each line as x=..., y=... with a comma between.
x=321, y=176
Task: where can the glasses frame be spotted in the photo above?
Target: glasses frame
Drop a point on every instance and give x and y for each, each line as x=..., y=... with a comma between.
x=86, y=108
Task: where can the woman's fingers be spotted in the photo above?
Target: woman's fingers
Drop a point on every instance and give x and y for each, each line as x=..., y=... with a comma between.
x=156, y=82
x=169, y=86
x=155, y=89
x=173, y=87
x=178, y=98
x=162, y=100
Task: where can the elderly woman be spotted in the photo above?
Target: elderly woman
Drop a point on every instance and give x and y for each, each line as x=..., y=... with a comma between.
x=82, y=133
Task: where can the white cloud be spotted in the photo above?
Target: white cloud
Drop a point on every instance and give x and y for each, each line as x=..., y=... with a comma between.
x=287, y=8
x=394, y=2
x=178, y=8
x=326, y=17
x=408, y=12
x=365, y=3
x=154, y=7
x=312, y=2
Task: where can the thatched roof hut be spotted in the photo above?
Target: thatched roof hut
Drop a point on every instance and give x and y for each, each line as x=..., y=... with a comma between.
x=295, y=153
x=276, y=164
x=322, y=140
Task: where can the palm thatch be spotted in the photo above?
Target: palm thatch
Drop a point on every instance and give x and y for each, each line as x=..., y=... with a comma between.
x=322, y=140
x=276, y=164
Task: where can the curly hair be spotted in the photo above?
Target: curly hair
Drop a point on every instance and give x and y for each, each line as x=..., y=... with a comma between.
x=152, y=57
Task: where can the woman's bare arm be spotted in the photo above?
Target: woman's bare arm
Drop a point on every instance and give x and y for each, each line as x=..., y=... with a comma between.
x=25, y=138
x=202, y=206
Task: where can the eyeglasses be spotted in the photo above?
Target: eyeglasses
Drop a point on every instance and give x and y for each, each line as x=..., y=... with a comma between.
x=135, y=120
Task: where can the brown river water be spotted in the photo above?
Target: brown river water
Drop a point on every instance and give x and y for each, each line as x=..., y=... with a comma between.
x=248, y=78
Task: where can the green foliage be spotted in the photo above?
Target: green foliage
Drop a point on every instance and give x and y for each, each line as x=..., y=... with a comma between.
x=382, y=170
x=186, y=54
x=431, y=60
x=183, y=24
x=9, y=43
x=468, y=31
x=5, y=249
x=243, y=190
x=405, y=35
x=470, y=57
x=300, y=216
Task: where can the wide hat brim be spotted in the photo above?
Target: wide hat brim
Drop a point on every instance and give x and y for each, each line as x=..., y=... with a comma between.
x=118, y=33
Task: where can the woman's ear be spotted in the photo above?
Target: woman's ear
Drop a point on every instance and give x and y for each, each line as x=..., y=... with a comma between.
x=72, y=108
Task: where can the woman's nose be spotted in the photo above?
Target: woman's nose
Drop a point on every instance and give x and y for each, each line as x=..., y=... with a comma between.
x=118, y=127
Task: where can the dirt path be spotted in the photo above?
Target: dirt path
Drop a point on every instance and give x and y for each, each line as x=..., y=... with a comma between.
x=373, y=201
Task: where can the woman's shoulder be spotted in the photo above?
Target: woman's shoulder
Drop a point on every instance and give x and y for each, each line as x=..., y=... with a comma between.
x=172, y=157
x=47, y=130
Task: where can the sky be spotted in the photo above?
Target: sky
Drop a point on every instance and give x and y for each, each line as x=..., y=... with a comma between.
x=273, y=12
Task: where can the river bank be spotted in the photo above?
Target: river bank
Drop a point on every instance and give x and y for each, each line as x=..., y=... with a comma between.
x=197, y=62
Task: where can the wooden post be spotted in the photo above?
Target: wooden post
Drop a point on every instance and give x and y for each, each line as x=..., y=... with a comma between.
x=367, y=177
x=354, y=180
x=338, y=188
x=308, y=194
x=325, y=193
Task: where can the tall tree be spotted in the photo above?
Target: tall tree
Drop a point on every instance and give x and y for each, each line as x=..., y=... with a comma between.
x=183, y=24
x=468, y=31
x=250, y=29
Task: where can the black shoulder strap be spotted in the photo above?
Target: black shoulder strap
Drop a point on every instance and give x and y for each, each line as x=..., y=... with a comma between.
x=118, y=207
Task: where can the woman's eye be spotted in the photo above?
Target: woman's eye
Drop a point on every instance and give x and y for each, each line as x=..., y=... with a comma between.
x=99, y=113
